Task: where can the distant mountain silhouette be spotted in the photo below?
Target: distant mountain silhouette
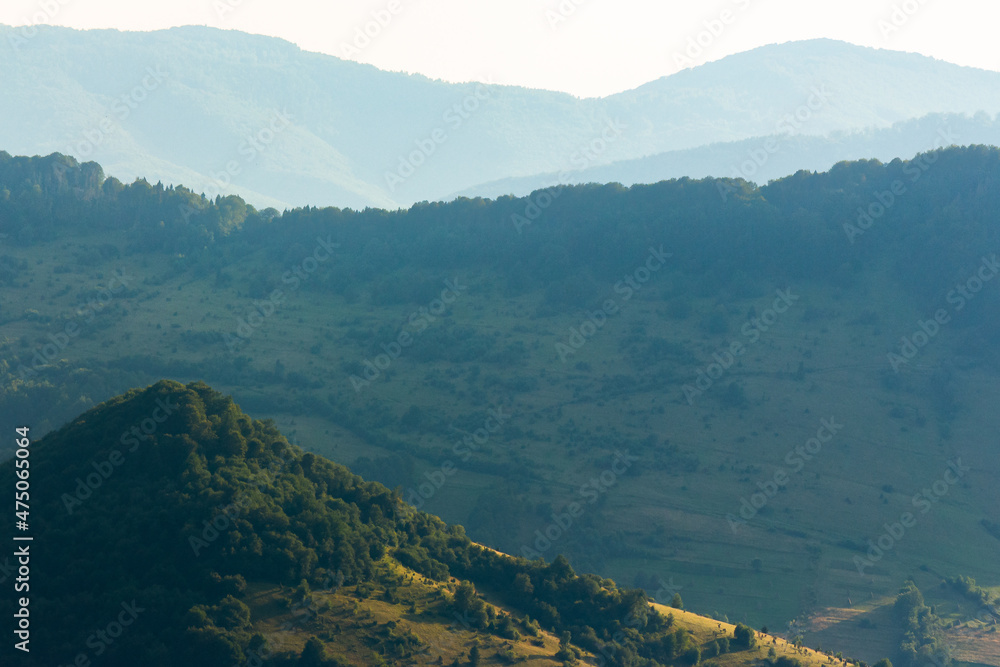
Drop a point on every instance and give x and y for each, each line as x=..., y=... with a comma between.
x=763, y=159
x=224, y=111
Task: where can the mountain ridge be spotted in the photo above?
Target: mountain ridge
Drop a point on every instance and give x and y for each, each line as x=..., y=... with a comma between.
x=762, y=159
x=250, y=508
x=197, y=270
x=361, y=137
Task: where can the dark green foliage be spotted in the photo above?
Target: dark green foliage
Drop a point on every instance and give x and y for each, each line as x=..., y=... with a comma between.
x=213, y=498
x=923, y=637
x=566, y=655
x=295, y=517
x=967, y=586
x=752, y=235
x=208, y=500
x=469, y=606
x=785, y=661
x=313, y=654
x=744, y=636
x=596, y=234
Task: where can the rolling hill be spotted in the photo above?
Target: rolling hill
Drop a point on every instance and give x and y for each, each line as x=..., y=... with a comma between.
x=740, y=393
x=223, y=111
x=763, y=159
x=214, y=541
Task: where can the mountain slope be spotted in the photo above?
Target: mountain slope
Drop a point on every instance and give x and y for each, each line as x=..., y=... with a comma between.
x=762, y=159
x=173, y=528
x=815, y=87
x=533, y=391
x=225, y=111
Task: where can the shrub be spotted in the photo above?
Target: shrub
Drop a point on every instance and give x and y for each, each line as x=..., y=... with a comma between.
x=744, y=636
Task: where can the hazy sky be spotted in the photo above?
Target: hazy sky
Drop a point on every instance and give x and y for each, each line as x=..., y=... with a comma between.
x=585, y=47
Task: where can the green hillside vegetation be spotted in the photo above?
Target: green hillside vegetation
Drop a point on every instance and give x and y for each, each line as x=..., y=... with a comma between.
x=228, y=545
x=542, y=395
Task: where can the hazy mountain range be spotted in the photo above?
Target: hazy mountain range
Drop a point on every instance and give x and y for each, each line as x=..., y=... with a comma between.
x=224, y=111
x=778, y=403
x=762, y=159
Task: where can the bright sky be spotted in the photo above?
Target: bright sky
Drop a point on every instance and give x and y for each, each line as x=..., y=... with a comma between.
x=585, y=47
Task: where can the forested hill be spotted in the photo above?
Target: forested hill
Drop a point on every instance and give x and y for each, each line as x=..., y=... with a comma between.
x=920, y=217
x=169, y=510
x=107, y=286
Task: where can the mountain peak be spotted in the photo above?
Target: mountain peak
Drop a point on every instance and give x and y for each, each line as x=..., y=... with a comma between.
x=181, y=534
x=226, y=88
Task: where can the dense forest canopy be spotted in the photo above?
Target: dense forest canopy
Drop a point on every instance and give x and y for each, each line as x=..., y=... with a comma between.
x=932, y=217
x=42, y=196
x=924, y=224
x=212, y=499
